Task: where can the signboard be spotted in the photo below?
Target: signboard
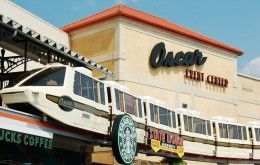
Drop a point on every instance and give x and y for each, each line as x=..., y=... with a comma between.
x=165, y=141
x=210, y=79
x=66, y=103
x=159, y=57
x=124, y=139
x=25, y=139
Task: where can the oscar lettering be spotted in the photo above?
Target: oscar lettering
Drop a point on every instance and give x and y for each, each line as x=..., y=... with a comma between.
x=159, y=57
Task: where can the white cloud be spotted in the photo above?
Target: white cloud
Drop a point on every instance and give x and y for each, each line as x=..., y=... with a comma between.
x=252, y=68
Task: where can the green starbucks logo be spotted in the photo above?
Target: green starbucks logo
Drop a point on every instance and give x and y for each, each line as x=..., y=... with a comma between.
x=124, y=139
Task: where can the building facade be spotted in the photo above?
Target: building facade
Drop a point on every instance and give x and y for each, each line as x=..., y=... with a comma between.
x=123, y=40
x=157, y=58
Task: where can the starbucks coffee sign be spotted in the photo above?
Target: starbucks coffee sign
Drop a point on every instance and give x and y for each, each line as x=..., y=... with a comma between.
x=124, y=139
x=9, y=136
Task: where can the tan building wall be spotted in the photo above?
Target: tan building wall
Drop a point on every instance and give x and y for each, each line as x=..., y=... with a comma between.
x=248, y=99
x=211, y=100
x=96, y=42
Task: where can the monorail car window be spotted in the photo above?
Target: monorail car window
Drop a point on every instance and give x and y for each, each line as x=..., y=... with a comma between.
x=140, y=114
x=187, y=123
x=129, y=104
x=199, y=126
x=53, y=76
x=204, y=132
x=89, y=88
x=119, y=100
x=208, y=128
x=257, y=134
x=169, y=118
x=233, y=131
x=163, y=116
x=109, y=97
x=102, y=93
x=174, y=120
x=22, y=77
x=154, y=113
x=240, y=133
x=223, y=130
x=185, y=120
x=190, y=126
x=244, y=133
x=95, y=85
x=77, y=87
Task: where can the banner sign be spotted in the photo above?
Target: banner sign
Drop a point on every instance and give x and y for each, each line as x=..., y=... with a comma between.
x=25, y=139
x=165, y=141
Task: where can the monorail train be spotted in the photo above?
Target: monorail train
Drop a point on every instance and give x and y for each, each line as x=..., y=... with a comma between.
x=196, y=131
x=232, y=139
x=73, y=97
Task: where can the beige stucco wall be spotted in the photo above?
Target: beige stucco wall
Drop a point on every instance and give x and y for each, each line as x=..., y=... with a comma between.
x=169, y=84
x=97, y=42
x=248, y=99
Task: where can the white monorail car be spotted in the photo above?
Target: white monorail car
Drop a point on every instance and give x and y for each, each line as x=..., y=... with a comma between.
x=196, y=132
x=121, y=101
x=159, y=116
x=232, y=139
x=69, y=95
x=254, y=132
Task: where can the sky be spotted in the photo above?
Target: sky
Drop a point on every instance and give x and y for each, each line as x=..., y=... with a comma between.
x=234, y=22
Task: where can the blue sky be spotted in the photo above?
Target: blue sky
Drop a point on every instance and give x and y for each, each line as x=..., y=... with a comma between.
x=234, y=22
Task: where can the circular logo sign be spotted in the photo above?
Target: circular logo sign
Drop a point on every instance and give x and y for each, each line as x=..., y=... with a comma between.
x=124, y=139
x=66, y=103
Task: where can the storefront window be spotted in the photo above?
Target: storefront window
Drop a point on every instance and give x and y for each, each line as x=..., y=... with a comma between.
x=53, y=76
